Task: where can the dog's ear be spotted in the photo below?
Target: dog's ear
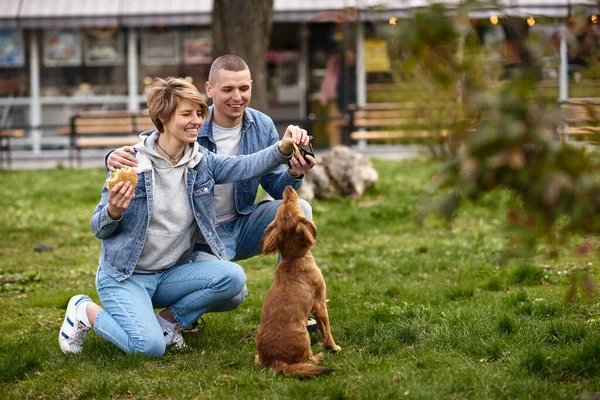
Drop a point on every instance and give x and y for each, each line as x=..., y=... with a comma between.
x=308, y=231
x=270, y=240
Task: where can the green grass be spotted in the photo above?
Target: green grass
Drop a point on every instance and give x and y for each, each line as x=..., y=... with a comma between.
x=430, y=312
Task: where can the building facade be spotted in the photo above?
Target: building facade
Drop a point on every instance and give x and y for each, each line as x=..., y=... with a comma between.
x=58, y=57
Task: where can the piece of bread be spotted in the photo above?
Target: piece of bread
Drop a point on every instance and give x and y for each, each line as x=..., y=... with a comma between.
x=123, y=174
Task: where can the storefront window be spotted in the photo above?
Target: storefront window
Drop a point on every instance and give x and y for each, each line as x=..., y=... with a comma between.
x=13, y=71
x=83, y=63
x=103, y=47
x=184, y=52
x=62, y=47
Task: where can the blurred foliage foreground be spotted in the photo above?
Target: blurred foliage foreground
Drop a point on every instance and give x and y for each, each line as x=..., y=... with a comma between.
x=503, y=138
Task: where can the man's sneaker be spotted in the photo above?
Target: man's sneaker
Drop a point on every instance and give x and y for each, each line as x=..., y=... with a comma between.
x=173, y=336
x=73, y=331
x=311, y=325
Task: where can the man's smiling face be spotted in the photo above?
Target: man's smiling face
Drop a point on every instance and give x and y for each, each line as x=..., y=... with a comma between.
x=230, y=92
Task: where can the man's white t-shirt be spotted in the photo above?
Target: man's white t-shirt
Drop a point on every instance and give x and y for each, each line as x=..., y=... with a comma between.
x=228, y=144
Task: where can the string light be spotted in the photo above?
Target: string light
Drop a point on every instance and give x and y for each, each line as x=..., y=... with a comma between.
x=594, y=19
x=393, y=20
x=494, y=19
x=531, y=21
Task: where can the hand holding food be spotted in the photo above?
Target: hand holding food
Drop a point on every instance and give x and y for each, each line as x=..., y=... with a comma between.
x=120, y=175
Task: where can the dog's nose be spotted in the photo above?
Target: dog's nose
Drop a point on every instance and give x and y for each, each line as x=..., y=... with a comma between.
x=288, y=193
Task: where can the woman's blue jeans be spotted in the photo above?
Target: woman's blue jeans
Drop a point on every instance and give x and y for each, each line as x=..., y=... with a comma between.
x=189, y=290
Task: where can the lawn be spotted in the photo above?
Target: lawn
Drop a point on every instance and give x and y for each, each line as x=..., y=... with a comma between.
x=429, y=312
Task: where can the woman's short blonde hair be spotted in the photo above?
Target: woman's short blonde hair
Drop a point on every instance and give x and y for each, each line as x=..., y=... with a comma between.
x=164, y=96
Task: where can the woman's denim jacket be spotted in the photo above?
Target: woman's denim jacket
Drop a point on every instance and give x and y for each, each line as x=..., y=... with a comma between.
x=258, y=132
x=123, y=239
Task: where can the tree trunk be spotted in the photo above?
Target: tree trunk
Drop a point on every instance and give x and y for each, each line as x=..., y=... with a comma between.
x=243, y=28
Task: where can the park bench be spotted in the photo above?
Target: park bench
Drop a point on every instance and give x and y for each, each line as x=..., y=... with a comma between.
x=580, y=118
x=104, y=129
x=5, y=152
x=406, y=121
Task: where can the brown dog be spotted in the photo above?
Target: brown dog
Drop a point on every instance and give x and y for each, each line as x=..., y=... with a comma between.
x=298, y=289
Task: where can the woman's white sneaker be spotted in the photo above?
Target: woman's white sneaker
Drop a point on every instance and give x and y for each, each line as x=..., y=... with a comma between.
x=73, y=330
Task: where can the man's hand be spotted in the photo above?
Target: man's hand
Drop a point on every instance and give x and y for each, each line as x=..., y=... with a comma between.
x=121, y=157
x=298, y=164
x=293, y=135
x=119, y=198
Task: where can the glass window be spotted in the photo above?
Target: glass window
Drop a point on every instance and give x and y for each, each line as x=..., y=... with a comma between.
x=184, y=52
x=103, y=47
x=93, y=66
x=13, y=68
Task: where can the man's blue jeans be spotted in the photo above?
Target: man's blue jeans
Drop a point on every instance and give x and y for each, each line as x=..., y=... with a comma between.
x=189, y=290
x=242, y=236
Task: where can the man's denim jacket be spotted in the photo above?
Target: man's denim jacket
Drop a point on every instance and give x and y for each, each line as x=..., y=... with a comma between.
x=258, y=132
x=123, y=239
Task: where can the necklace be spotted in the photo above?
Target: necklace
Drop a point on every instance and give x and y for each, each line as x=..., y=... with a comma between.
x=174, y=160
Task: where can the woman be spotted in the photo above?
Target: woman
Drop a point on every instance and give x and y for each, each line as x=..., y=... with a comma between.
x=148, y=232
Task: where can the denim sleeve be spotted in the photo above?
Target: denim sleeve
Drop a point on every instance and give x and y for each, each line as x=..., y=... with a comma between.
x=227, y=169
x=101, y=223
x=106, y=159
x=276, y=181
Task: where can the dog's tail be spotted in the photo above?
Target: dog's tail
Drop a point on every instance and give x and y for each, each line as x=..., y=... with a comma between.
x=302, y=369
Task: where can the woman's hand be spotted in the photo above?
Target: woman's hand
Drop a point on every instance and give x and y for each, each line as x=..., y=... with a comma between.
x=119, y=198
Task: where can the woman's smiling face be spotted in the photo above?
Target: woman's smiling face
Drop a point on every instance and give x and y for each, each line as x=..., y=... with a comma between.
x=185, y=122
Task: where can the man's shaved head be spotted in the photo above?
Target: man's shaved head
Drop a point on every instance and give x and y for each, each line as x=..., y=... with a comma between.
x=228, y=62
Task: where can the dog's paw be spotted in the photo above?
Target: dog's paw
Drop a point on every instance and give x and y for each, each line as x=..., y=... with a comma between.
x=334, y=349
x=317, y=358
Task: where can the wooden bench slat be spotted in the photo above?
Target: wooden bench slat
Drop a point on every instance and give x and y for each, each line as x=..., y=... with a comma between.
x=111, y=114
x=584, y=119
x=582, y=100
x=145, y=127
x=105, y=130
x=408, y=105
x=373, y=135
x=368, y=123
x=579, y=130
x=102, y=121
x=12, y=133
x=401, y=122
x=362, y=114
x=107, y=142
